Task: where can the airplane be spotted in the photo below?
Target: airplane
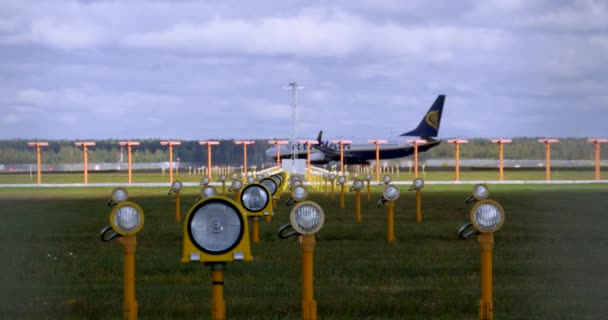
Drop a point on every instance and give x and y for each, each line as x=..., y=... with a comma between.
x=325, y=152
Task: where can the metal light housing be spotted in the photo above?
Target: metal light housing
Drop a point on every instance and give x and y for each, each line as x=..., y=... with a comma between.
x=357, y=185
x=481, y=192
x=386, y=179
x=391, y=192
x=119, y=195
x=270, y=184
x=234, y=176
x=307, y=217
x=216, y=231
x=368, y=177
x=250, y=180
x=236, y=185
x=332, y=177
x=127, y=218
x=208, y=191
x=299, y=193
x=341, y=180
x=255, y=198
x=487, y=216
x=418, y=184
x=205, y=181
x=223, y=178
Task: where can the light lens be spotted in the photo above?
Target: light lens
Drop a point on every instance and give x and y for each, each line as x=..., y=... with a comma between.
x=234, y=176
x=358, y=185
x=119, y=195
x=254, y=198
x=205, y=181
x=127, y=218
x=341, y=180
x=270, y=185
x=387, y=179
x=250, y=180
x=236, y=185
x=418, y=183
x=208, y=191
x=223, y=178
x=299, y=193
x=481, y=192
x=307, y=217
x=368, y=177
x=391, y=192
x=487, y=216
x=176, y=186
x=216, y=226
x=332, y=177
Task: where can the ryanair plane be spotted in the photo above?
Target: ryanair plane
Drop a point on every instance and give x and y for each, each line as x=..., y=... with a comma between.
x=325, y=151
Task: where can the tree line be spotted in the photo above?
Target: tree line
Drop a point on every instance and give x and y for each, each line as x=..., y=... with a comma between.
x=227, y=152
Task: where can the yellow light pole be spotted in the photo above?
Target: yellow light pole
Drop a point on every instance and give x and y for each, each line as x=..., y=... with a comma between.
x=176, y=187
x=129, y=145
x=341, y=143
x=331, y=177
x=457, y=143
x=416, y=142
x=170, y=144
x=487, y=216
x=417, y=185
x=306, y=219
x=38, y=146
x=245, y=143
x=308, y=143
x=209, y=143
x=341, y=181
x=596, y=143
x=357, y=186
x=223, y=181
x=500, y=143
x=377, y=143
x=548, y=143
x=278, y=144
x=85, y=150
x=389, y=195
x=368, y=178
x=126, y=219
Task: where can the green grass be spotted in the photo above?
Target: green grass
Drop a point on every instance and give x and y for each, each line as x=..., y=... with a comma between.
x=549, y=260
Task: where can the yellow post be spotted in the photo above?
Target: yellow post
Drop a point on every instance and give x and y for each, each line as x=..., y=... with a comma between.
x=457, y=143
x=332, y=190
x=377, y=143
x=309, y=305
x=418, y=205
x=548, y=143
x=255, y=230
x=486, y=307
x=178, y=214
x=358, y=205
x=596, y=149
x=218, y=305
x=129, y=303
x=38, y=164
x=390, y=234
x=129, y=162
x=416, y=143
x=223, y=188
x=369, y=194
x=342, y=196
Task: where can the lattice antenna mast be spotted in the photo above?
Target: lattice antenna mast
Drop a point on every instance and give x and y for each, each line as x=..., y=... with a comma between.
x=293, y=86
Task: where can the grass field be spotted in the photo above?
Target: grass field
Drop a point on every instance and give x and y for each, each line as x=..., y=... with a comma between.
x=549, y=258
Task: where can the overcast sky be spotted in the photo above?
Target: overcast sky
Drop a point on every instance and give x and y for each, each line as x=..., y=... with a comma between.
x=370, y=69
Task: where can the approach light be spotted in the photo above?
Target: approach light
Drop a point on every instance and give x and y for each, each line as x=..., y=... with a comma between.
x=204, y=181
x=255, y=198
x=368, y=177
x=118, y=195
x=127, y=218
x=236, y=185
x=216, y=231
x=259, y=177
x=386, y=180
x=250, y=180
x=341, y=180
x=391, y=192
x=298, y=194
x=357, y=185
x=234, y=176
x=418, y=184
x=332, y=177
x=208, y=191
x=176, y=186
x=270, y=184
x=307, y=218
x=487, y=216
x=296, y=183
x=223, y=178
x=480, y=192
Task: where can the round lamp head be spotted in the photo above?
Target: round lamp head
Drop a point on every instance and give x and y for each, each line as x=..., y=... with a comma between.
x=296, y=183
x=487, y=216
x=127, y=218
x=270, y=184
x=358, y=185
x=255, y=197
x=368, y=177
x=250, y=180
x=208, y=191
x=307, y=217
x=481, y=192
x=223, y=178
x=418, y=183
x=176, y=186
x=119, y=195
x=234, y=176
x=215, y=225
x=391, y=192
x=386, y=179
x=259, y=177
x=299, y=193
x=341, y=180
x=205, y=181
x=236, y=185
x=332, y=177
